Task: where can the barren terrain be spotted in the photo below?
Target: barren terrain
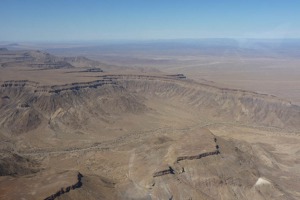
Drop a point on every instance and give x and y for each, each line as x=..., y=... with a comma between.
x=73, y=128
x=270, y=67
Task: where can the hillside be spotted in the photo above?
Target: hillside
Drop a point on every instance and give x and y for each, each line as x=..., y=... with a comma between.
x=127, y=134
x=42, y=60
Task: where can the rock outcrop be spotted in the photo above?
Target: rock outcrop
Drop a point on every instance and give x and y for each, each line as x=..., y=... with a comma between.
x=25, y=105
x=219, y=104
x=164, y=172
x=67, y=189
x=12, y=164
x=170, y=170
x=202, y=155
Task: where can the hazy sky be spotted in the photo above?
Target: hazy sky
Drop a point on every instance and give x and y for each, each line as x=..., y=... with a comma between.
x=60, y=20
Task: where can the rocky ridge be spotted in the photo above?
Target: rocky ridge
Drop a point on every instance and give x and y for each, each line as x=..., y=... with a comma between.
x=38, y=102
x=43, y=60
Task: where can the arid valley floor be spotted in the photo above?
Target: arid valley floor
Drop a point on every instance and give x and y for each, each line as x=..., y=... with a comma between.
x=137, y=124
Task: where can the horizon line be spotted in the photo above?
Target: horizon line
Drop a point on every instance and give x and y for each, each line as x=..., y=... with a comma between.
x=11, y=42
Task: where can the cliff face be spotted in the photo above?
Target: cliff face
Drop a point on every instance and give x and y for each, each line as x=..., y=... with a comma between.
x=221, y=103
x=25, y=105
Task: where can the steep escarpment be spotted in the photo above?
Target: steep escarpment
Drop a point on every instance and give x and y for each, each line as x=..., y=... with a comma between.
x=220, y=103
x=25, y=105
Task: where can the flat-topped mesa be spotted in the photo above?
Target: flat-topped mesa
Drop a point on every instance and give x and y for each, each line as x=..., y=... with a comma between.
x=105, y=79
x=55, y=88
x=145, y=77
x=180, y=78
x=239, y=106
